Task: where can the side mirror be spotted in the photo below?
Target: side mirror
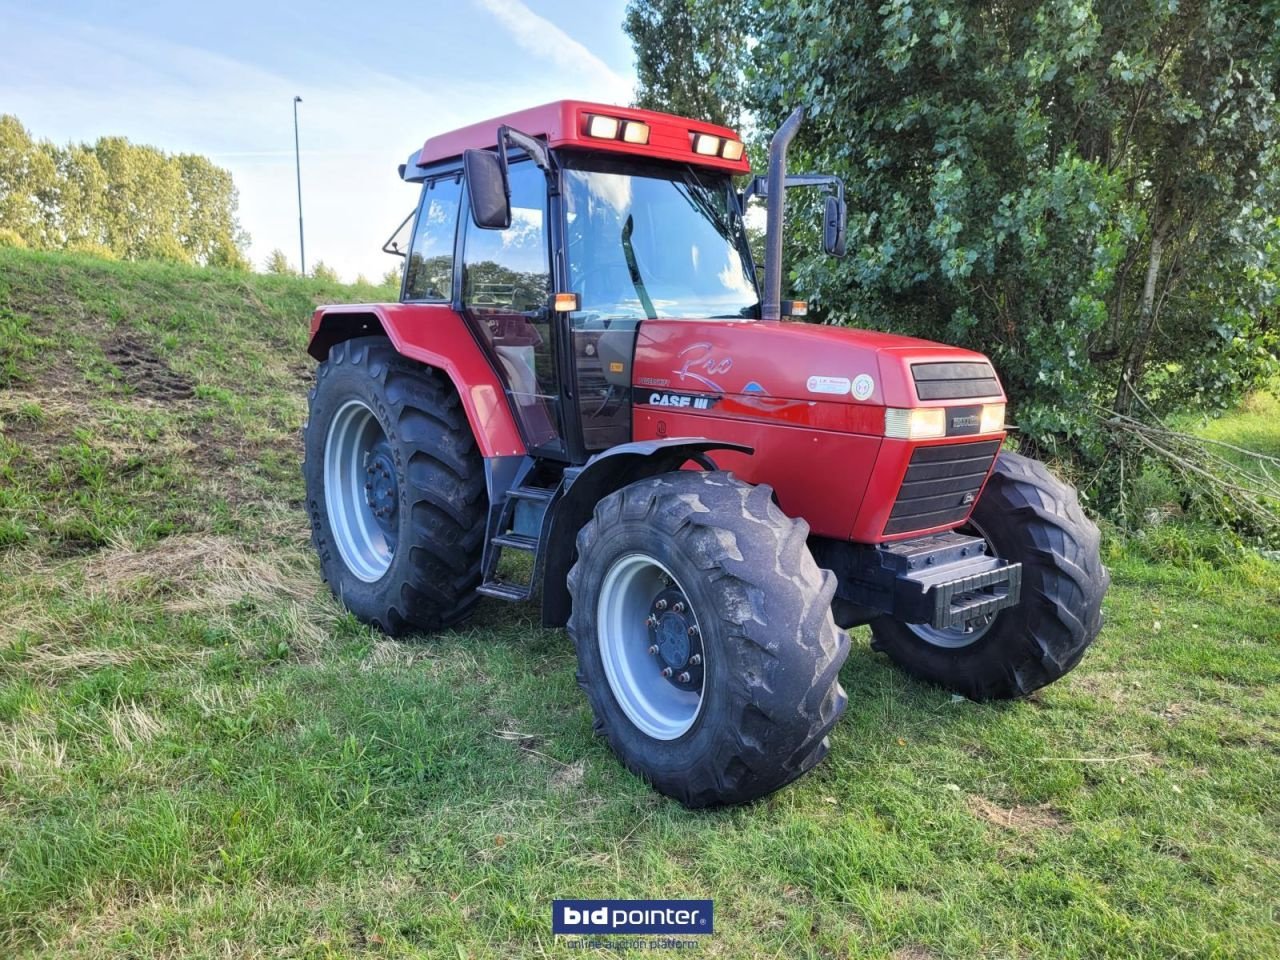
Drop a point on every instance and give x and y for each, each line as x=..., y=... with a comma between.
x=487, y=189
x=834, y=219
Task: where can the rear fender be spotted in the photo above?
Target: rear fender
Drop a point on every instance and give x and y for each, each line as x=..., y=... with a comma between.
x=600, y=476
x=436, y=335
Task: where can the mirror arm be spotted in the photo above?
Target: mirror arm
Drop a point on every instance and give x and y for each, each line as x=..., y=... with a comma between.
x=759, y=186
x=536, y=149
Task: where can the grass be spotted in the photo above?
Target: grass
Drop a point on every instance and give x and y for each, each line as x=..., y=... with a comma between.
x=202, y=755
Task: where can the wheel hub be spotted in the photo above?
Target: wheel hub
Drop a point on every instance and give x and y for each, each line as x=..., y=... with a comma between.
x=676, y=640
x=380, y=488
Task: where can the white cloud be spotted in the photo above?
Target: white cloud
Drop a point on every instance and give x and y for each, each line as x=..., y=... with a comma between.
x=544, y=39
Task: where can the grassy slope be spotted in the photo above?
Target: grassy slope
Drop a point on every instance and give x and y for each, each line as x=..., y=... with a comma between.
x=201, y=755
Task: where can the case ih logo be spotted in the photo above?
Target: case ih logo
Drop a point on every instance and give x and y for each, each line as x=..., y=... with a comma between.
x=632, y=916
x=687, y=401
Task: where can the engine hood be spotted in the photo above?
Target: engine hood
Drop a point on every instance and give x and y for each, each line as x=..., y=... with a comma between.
x=773, y=365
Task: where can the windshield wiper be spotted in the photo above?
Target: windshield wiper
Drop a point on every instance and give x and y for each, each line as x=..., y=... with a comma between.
x=634, y=268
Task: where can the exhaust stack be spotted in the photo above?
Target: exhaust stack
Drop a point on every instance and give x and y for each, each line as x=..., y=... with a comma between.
x=775, y=206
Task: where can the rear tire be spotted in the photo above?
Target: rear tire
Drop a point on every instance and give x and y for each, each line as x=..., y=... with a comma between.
x=1028, y=516
x=412, y=559
x=758, y=603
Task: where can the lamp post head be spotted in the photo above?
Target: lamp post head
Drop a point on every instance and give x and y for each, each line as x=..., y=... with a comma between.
x=297, y=99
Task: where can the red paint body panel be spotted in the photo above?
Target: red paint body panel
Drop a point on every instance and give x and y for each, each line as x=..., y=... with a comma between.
x=564, y=124
x=437, y=336
x=825, y=454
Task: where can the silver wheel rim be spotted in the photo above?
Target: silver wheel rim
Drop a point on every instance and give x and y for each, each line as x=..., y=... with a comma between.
x=956, y=638
x=658, y=707
x=352, y=449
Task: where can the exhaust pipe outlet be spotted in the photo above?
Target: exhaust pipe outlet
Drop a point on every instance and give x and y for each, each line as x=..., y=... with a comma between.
x=775, y=206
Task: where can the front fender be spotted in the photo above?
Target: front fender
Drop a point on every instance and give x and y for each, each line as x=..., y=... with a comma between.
x=600, y=476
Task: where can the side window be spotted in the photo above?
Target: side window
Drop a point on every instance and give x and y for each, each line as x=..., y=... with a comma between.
x=431, y=252
x=506, y=286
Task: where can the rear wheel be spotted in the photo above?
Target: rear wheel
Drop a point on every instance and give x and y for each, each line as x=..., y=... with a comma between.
x=1029, y=516
x=395, y=488
x=704, y=636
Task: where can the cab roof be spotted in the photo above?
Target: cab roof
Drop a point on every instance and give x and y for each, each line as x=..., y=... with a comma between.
x=563, y=123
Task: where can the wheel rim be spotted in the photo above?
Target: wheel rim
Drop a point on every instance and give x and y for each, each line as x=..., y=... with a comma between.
x=956, y=638
x=361, y=491
x=651, y=646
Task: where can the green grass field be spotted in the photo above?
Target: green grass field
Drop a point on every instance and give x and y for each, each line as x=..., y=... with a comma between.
x=201, y=755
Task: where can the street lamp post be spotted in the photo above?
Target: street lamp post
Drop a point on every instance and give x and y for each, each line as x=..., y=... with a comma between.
x=297, y=160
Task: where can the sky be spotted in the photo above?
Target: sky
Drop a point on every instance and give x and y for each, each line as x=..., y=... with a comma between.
x=375, y=80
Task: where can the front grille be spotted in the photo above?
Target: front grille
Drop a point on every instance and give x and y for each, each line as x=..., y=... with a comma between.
x=940, y=485
x=954, y=381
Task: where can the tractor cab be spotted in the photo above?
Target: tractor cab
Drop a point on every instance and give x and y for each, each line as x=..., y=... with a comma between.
x=560, y=239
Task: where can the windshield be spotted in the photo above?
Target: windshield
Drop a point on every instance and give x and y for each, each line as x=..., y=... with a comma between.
x=647, y=241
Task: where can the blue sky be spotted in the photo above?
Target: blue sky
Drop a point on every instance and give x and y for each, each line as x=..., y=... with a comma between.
x=376, y=79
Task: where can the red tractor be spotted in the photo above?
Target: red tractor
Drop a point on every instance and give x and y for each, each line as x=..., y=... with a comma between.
x=583, y=368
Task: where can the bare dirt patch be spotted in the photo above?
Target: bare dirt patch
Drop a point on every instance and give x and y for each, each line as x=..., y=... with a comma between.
x=1022, y=819
x=142, y=369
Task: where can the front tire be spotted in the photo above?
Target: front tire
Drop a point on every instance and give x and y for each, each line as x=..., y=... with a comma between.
x=395, y=488
x=701, y=564
x=1029, y=516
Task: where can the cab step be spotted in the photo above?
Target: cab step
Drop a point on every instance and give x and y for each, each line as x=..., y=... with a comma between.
x=506, y=591
x=517, y=541
x=531, y=493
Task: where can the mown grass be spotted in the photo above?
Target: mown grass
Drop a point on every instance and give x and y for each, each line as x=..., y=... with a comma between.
x=202, y=755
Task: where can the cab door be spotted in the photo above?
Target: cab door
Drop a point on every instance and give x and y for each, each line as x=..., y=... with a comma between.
x=506, y=294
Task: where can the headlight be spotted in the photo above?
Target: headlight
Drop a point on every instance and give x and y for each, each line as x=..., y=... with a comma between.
x=918, y=423
x=992, y=418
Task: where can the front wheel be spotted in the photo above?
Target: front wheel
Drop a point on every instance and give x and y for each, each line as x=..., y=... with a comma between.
x=1029, y=516
x=704, y=635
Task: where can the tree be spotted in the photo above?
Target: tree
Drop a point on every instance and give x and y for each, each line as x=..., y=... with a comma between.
x=1078, y=189
x=322, y=271
x=211, y=233
x=392, y=277
x=119, y=199
x=278, y=264
x=26, y=178
x=689, y=57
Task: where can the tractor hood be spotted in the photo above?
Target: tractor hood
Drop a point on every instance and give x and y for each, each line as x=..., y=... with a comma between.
x=784, y=370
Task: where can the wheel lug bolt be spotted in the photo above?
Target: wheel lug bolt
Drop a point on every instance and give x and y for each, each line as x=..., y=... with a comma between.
x=684, y=677
x=693, y=631
x=653, y=650
x=678, y=607
x=651, y=621
x=695, y=660
x=661, y=605
x=667, y=671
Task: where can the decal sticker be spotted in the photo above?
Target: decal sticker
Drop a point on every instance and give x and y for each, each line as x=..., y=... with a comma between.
x=754, y=387
x=653, y=381
x=863, y=386
x=829, y=385
x=701, y=364
x=665, y=398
